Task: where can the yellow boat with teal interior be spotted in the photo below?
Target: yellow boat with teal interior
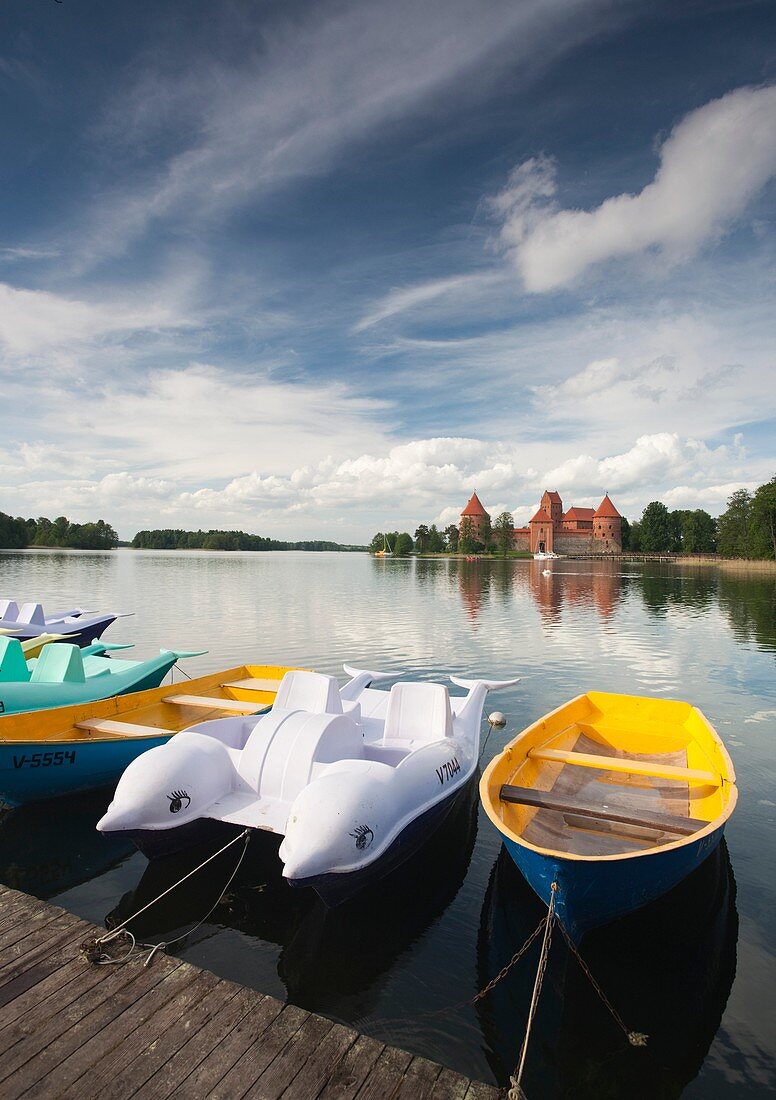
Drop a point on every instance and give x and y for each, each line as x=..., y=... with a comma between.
x=613, y=798
x=55, y=752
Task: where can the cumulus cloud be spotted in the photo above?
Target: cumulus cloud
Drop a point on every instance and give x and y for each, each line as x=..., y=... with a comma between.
x=712, y=165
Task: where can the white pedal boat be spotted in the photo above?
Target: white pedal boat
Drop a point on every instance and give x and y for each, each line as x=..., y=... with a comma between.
x=354, y=779
x=78, y=626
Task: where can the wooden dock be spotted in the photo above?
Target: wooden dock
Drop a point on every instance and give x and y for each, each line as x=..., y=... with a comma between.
x=70, y=1028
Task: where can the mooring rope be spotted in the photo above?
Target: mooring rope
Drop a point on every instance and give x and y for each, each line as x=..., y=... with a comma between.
x=635, y=1038
x=515, y=1091
x=92, y=949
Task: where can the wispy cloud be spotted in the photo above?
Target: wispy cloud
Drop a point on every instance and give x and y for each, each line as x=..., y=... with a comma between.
x=292, y=95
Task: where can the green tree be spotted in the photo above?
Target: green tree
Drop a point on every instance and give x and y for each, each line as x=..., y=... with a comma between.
x=421, y=539
x=14, y=533
x=451, y=534
x=699, y=532
x=625, y=531
x=377, y=543
x=486, y=532
x=634, y=536
x=403, y=545
x=465, y=536
x=503, y=529
x=436, y=543
x=656, y=528
x=764, y=517
x=734, y=526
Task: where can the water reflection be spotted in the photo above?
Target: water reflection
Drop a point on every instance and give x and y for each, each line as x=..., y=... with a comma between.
x=668, y=969
x=554, y=587
x=49, y=848
x=331, y=960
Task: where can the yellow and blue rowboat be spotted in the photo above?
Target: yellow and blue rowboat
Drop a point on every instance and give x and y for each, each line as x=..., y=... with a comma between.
x=48, y=753
x=615, y=798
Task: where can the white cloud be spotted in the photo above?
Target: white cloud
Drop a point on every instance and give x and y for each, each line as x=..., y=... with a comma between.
x=712, y=165
x=33, y=322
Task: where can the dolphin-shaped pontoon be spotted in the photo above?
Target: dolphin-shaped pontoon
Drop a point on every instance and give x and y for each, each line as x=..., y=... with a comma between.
x=354, y=779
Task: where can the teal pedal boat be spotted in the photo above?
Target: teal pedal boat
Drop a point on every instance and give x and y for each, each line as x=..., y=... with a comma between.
x=64, y=675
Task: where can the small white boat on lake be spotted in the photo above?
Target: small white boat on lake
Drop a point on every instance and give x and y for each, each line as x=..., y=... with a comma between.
x=354, y=779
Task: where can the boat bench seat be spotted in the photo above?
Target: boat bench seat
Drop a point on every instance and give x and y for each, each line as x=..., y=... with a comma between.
x=622, y=764
x=253, y=683
x=127, y=729
x=236, y=706
x=546, y=800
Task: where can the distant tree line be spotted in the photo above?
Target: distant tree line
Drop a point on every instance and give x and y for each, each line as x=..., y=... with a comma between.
x=176, y=539
x=18, y=534
x=746, y=529
x=453, y=540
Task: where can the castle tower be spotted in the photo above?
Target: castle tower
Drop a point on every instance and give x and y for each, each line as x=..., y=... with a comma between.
x=607, y=526
x=553, y=506
x=542, y=532
x=476, y=515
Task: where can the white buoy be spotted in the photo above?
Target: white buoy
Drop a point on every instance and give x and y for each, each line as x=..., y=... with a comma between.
x=497, y=719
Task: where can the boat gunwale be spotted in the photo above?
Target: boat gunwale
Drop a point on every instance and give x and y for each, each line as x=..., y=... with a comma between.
x=118, y=707
x=726, y=784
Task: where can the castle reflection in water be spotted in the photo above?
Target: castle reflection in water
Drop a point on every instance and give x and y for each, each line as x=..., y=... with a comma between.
x=553, y=586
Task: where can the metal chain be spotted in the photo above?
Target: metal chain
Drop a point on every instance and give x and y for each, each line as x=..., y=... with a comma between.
x=635, y=1038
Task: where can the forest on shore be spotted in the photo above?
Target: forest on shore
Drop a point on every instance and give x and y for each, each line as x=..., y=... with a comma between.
x=746, y=529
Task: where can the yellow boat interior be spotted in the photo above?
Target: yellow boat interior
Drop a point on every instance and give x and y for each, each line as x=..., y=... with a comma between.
x=608, y=775
x=246, y=689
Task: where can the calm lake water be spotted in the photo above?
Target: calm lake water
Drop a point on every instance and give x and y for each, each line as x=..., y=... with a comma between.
x=695, y=970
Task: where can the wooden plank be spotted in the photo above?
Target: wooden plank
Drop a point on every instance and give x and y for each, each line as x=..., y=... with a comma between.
x=169, y=1078
x=386, y=1075
x=89, y=1033
x=259, y=1012
x=419, y=1081
x=254, y=683
x=353, y=1069
x=143, y=1050
x=285, y=1067
x=478, y=1090
x=95, y=1047
x=71, y=1030
x=622, y=764
x=318, y=1068
x=124, y=729
x=545, y=800
x=25, y=1039
x=273, y=1040
x=210, y=703
x=53, y=993
x=450, y=1085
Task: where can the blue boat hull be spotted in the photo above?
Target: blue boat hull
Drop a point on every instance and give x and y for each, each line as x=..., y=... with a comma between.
x=595, y=892
x=34, y=771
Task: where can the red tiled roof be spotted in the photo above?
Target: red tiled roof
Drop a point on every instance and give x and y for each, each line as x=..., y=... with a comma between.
x=606, y=510
x=474, y=507
x=579, y=513
x=541, y=517
x=554, y=497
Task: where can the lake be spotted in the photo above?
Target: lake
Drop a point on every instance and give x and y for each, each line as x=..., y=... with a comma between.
x=694, y=970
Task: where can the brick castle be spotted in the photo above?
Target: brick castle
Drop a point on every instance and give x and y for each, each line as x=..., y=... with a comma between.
x=551, y=530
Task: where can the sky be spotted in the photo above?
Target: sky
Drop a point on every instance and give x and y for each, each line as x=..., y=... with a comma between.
x=319, y=269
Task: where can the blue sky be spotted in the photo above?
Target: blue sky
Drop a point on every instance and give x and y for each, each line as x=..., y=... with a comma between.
x=315, y=269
